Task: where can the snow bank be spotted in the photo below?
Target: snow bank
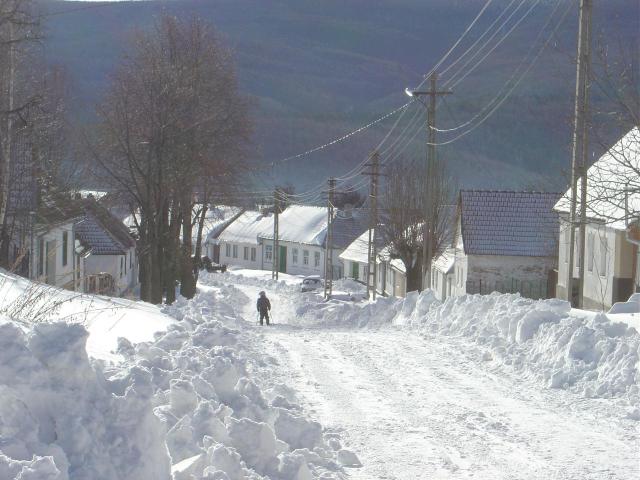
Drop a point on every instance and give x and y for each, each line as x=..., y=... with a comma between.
x=106, y=319
x=218, y=419
x=539, y=339
x=183, y=405
x=60, y=419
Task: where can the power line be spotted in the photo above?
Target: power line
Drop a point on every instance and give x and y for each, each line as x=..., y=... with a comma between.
x=513, y=87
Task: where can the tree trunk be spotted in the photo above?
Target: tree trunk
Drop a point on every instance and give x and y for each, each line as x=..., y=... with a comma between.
x=187, y=278
x=198, y=252
x=414, y=277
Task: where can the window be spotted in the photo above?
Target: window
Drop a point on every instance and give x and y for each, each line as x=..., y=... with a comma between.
x=294, y=255
x=603, y=256
x=121, y=266
x=65, y=248
x=305, y=257
x=253, y=254
x=245, y=253
x=235, y=251
x=227, y=250
x=268, y=253
x=316, y=259
x=590, y=252
x=40, y=256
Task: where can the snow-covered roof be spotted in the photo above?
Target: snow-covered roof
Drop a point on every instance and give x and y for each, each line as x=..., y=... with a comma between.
x=300, y=224
x=613, y=186
x=216, y=220
x=444, y=262
x=347, y=226
x=247, y=228
x=509, y=223
x=358, y=250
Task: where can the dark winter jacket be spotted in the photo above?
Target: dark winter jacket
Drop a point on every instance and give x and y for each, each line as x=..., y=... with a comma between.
x=264, y=305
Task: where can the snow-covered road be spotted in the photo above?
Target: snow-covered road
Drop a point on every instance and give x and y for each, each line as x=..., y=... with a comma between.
x=412, y=407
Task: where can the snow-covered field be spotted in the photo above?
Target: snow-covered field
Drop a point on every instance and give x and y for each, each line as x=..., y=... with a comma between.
x=492, y=387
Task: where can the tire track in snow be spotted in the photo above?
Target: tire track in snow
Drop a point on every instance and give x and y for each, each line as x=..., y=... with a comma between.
x=416, y=407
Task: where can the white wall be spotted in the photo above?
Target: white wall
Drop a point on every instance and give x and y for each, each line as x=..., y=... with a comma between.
x=227, y=256
x=298, y=267
x=124, y=278
x=608, y=256
x=442, y=284
x=64, y=274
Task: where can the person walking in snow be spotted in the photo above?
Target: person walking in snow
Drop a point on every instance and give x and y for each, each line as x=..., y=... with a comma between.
x=264, y=307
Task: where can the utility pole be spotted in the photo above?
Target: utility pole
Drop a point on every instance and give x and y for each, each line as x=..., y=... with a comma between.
x=579, y=153
x=372, y=251
x=275, y=266
x=430, y=159
x=328, y=248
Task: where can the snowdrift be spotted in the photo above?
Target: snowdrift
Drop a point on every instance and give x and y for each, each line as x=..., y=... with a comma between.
x=182, y=406
x=61, y=419
x=539, y=339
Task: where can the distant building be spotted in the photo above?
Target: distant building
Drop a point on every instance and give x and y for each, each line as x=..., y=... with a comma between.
x=55, y=260
x=247, y=240
x=240, y=245
x=442, y=274
x=504, y=241
x=108, y=262
x=611, y=247
x=391, y=274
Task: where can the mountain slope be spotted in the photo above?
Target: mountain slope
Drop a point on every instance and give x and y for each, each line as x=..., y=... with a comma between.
x=320, y=69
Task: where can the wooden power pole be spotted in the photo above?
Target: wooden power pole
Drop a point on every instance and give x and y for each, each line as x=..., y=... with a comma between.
x=427, y=241
x=275, y=267
x=328, y=249
x=579, y=153
x=372, y=250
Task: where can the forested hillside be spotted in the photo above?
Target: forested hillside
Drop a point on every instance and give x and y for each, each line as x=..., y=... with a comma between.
x=317, y=70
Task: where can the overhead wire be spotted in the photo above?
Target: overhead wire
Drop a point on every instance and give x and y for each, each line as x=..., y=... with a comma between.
x=507, y=83
x=514, y=86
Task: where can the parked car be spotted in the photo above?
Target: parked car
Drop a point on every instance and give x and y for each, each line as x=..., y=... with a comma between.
x=210, y=266
x=311, y=284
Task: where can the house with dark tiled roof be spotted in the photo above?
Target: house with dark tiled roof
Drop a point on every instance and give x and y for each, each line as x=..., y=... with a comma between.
x=505, y=241
x=109, y=262
x=77, y=244
x=55, y=258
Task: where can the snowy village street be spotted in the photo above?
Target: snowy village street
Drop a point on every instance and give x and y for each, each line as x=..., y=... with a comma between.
x=417, y=407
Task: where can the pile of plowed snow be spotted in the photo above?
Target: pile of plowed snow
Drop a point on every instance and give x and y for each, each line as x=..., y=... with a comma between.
x=181, y=406
x=539, y=339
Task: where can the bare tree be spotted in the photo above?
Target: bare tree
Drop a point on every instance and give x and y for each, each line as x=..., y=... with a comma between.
x=404, y=214
x=171, y=123
x=614, y=181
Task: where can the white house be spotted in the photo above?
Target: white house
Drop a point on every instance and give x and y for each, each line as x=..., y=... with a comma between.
x=505, y=241
x=108, y=263
x=302, y=233
x=442, y=274
x=216, y=220
x=239, y=243
x=54, y=259
x=347, y=225
x=391, y=274
x=355, y=258
x=611, y=242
